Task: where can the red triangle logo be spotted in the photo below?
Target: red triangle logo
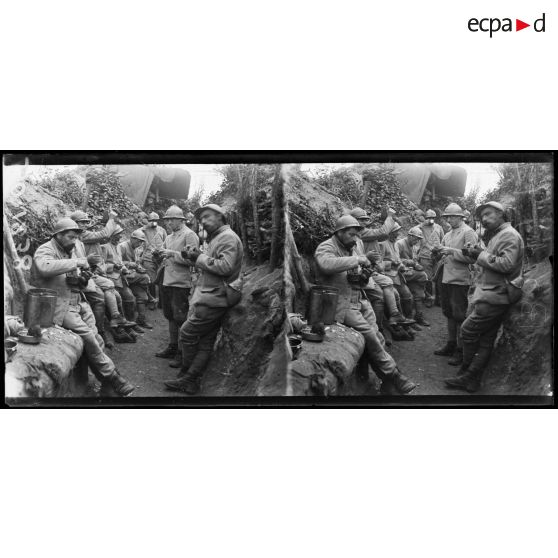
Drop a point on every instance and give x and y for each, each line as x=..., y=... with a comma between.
x=519, y=25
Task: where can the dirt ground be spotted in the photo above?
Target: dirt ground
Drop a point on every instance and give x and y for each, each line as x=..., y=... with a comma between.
x=415, y=358
x=137, y=361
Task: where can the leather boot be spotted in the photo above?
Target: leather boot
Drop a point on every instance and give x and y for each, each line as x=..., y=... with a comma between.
x=141, y=321
x=468, y=380
x=129, y=309
x=407, y=308
x=447, y=350
x=106, y=341
x=419, y=317
x=400, y=382
x=398, y=333
x=137, y=329
x=120, y=335
x=457, y=359
x=116, y=385
x=189, y=351
x=409, y=331
x=186, y=383
x=189, y=381
x=133, y=335
x=169, y=352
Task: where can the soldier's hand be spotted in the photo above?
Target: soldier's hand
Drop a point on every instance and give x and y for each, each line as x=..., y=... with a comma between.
x=363, y=261
x=117, y=266
x=374, y=256
x=82, y=262
x=112, y=214
x=475, y=251
x=94, y=259
x=193, y=253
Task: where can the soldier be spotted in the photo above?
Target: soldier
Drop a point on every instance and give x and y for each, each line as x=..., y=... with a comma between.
x=100, y=292
x=137, y=277
x=456, y=280
x=217, y=290
x=433, y=234
x=116, y=272
x=381, y=294
x=340, y=267
x=177, y=279
x=55, y=268
x=498, y=287
x=103, y=295
x=414, y=277
x=154, y=239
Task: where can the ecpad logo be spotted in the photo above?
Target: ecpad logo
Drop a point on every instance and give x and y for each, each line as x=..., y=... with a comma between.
x=493, y=25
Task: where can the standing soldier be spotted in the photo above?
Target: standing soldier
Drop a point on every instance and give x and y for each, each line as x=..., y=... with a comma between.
x=498, y=287
x=154, y=238
x=433, y=235
x=55, y=268
x=177, y=279
x=413, y=274
x=216, y=291
x=340, y=267
x=456, y=280
x=137, y=277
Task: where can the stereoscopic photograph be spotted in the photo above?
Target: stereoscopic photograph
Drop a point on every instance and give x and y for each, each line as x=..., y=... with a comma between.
x=179, y=283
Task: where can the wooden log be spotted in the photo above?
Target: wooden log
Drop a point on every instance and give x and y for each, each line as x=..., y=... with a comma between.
x=240, y=205
x=13, y=258
x=255, y=214
x=277, y=200
x=296, y=260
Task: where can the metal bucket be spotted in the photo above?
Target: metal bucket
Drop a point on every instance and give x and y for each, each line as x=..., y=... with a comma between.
x=323, y=304
x=40, y=305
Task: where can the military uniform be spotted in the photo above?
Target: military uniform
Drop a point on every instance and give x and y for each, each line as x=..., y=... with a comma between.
x=353, y=309
x=51, y=264
x=155, y=238
x=177, y=280
x=499, y=263
x=219, y=266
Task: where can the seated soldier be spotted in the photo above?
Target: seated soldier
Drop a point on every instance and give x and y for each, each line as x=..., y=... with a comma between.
x=137, y=278
x=116, y=271
x=340, y=267
x=382, y=296
x=56, y=267
x=413, y=273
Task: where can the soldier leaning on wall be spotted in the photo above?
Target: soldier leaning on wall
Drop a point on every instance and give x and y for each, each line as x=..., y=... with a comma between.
x=56, y=267
x=218, y=289
x=498, y=286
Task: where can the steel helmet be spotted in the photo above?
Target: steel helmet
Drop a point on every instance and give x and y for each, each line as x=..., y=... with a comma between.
x=416, y=231
x=430, y=214
x=347, y=222
x=118, y=230
x=212, y=206
x=153, y=216
x=396, y=227
x=359, y=213
x=494, y=204
x=138, y=233
x=65, y=224
x=453, y=210
x=79, y=216
x=174, y=212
